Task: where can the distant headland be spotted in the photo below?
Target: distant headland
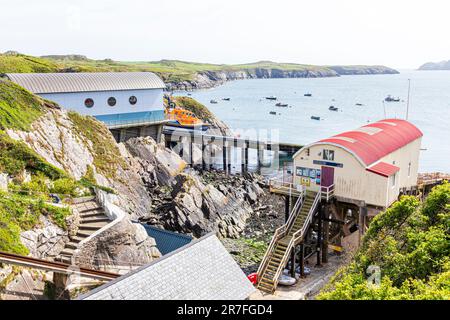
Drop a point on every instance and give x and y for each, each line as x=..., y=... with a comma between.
x=442, y=65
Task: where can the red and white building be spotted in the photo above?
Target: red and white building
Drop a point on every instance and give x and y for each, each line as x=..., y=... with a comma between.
x=367, y=166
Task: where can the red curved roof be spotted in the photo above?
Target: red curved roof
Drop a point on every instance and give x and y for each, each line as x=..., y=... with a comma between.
x=372, y=142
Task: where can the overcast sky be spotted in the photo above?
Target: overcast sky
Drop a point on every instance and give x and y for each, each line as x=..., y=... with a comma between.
x=396, y=33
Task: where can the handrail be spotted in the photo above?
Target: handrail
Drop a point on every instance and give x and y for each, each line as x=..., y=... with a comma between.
x=329, y=191
x=280, y=233
x=296, y=237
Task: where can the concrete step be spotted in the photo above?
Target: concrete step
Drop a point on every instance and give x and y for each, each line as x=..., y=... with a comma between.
x=89, y=220
x=71, y=245
x=92, y=226
x=93, y=214
x=67, y=252
x=90, y=210
x=85, y=233
x=83, y=200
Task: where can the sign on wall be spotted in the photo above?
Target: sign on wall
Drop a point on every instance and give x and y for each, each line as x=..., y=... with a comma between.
x=308, y=175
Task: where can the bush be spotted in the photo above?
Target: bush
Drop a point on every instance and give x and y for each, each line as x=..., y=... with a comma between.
x=64, y=186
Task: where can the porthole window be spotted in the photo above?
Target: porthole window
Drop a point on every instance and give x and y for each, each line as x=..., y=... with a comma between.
x=89, y=103
x=132, y=100
x=112, y=101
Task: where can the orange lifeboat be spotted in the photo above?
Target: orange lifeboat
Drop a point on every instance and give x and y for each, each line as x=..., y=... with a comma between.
x=184, y=119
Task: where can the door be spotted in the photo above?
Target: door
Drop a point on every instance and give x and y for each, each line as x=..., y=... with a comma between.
x=327, y=178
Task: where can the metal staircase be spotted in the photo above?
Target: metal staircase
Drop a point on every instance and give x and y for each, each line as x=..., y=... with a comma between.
x=285, y=239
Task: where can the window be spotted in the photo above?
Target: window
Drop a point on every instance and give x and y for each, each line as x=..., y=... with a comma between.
x=409, y=170
x=328, y=155
x=307, y=152
x=393, y=180
x=89, y=103
x=132, y=100
x=112, y=101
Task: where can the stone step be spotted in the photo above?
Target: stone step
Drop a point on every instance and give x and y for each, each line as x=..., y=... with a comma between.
x=89, y=210
x=71, y=245
x=89, y=220
x=67, y=252
x=83, y=200
x=93, y=214
x=92, y=226
x=85, y=233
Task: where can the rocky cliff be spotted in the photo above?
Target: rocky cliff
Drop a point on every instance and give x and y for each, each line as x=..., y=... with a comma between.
x=209, y=79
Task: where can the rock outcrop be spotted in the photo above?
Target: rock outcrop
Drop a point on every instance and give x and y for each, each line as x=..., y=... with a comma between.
x=121, y=248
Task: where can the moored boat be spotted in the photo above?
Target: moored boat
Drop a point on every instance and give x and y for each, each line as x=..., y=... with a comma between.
x=390, y=98
x=271, y=98
x=315, y=118
x=226, y=99
x=308, y=94
x=279, y=104
x=273, y=112
x=333, y=108
x=212, y=101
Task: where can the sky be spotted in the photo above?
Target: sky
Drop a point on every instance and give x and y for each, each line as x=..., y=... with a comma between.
x=398, y=33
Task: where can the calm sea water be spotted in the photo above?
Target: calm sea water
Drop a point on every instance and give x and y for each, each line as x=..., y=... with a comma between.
x=248, y=112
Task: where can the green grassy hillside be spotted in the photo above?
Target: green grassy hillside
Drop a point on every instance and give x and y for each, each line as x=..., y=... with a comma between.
x=410, y=244
x=168, y=70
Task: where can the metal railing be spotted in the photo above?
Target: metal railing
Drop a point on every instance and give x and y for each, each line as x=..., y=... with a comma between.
x=127, y=119
x=280, y=233
x=296, y=238
x=327, y=192
x=277, y=185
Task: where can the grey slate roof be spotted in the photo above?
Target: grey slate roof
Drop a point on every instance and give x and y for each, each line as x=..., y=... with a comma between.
x=202, y=269
x=84, y=82
x=167, y=241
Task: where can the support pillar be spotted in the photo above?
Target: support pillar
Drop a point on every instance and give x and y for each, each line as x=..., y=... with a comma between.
x=302, y=260
x=229, y=159
x=319, y=235
x=326, y=227
x=292, y=269
x=246, y=155
x=287, y=204
x=224, y=155
x=203, y=154
x=361, y=223
x=191, y=152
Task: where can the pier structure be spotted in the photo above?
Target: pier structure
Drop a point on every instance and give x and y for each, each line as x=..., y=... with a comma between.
x=211, y=146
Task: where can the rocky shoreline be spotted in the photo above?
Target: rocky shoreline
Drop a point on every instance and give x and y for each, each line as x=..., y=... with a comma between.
x=210, y=79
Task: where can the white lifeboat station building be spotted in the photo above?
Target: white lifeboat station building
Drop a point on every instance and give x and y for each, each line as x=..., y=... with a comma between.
x=369, y=166
x=127, y=102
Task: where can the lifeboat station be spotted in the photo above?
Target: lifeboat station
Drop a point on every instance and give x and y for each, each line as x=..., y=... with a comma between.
x=129, y=103
x=337, y=186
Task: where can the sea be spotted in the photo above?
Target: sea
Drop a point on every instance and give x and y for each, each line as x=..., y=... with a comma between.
x=359, y=99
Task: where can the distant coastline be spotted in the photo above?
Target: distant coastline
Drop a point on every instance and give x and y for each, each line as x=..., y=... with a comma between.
x=182, y=75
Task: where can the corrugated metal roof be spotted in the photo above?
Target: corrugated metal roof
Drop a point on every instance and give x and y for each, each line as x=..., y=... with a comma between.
x=383, y=169
x=167, y=241
x=201, y=270
x=376, y=140
x=86, y=82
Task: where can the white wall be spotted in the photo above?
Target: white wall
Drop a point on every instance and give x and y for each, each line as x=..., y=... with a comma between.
x=147, y=100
